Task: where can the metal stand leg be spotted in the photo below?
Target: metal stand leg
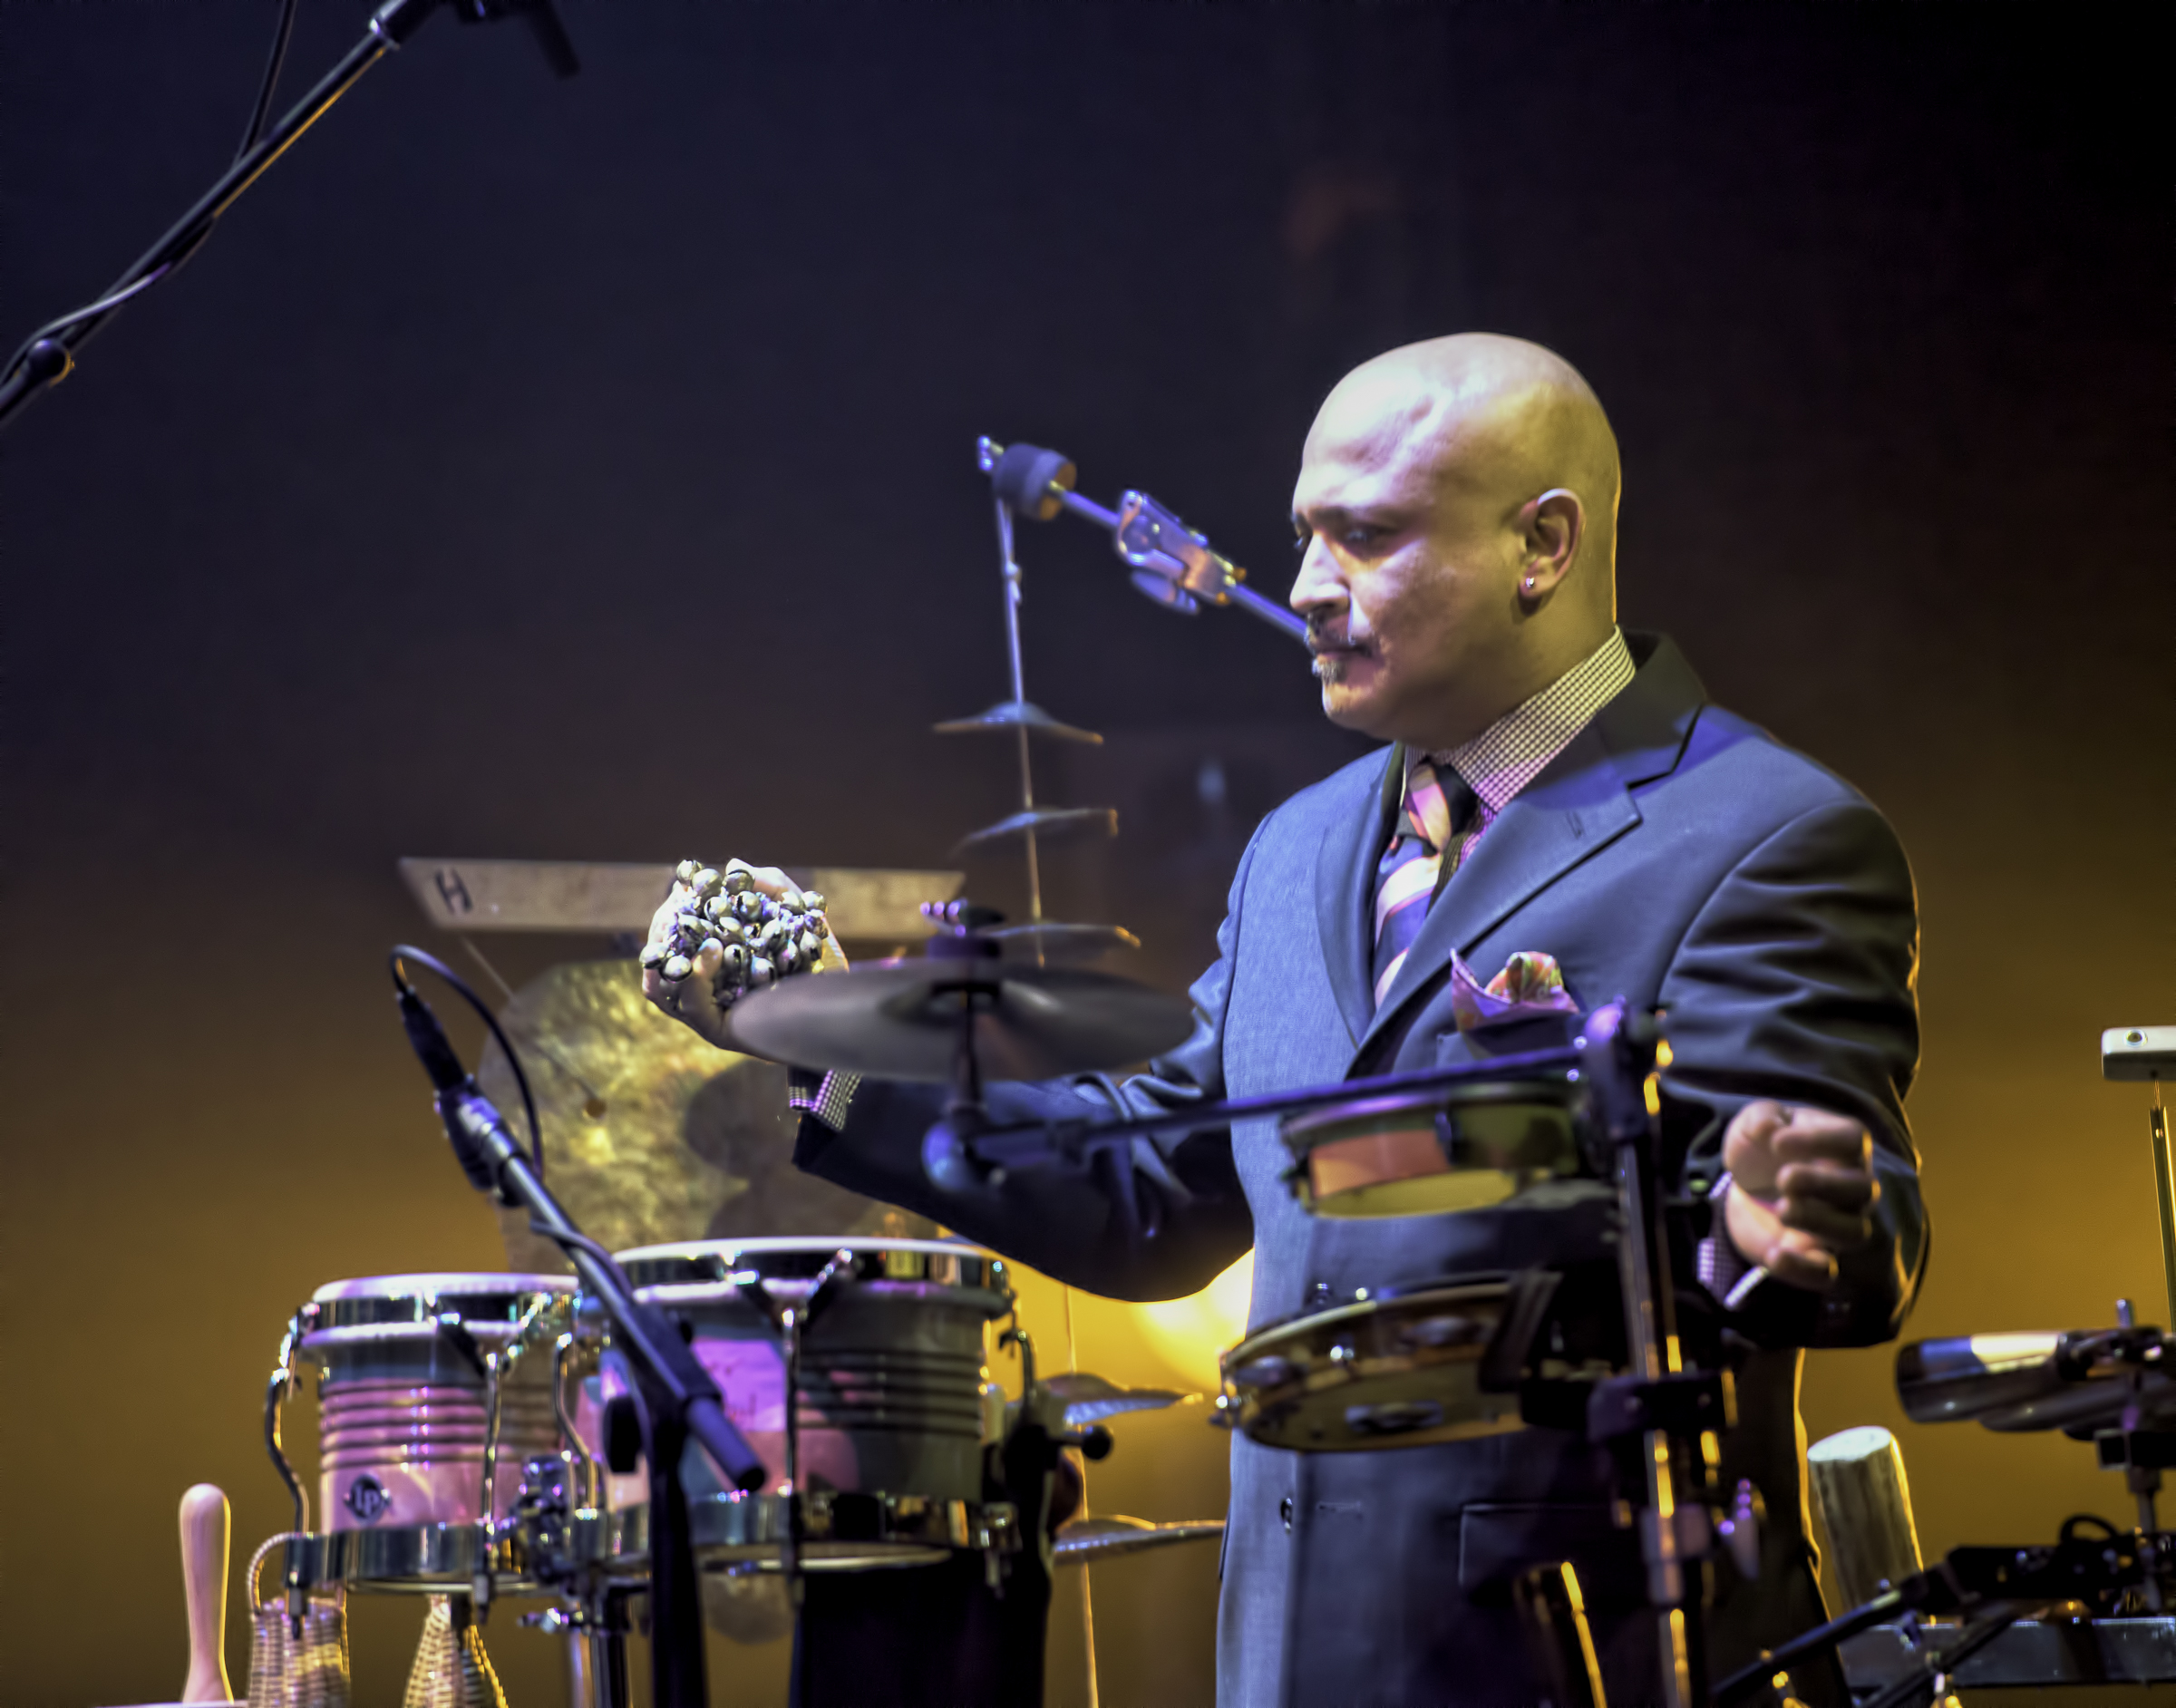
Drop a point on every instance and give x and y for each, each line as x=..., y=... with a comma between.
x=1553, y=1611
x=2165, y=1182
x=596, y=1660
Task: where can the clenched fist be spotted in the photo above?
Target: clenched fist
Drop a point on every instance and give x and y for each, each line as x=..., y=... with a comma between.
x=1801, y=1193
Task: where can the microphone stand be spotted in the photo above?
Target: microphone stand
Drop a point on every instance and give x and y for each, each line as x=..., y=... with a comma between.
x=675, y=1397
x=50, y=358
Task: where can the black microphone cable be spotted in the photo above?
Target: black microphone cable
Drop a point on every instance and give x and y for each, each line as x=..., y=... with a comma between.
x=259, y=116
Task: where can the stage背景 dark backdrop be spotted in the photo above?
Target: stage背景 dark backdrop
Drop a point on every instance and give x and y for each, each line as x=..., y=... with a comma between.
x=583, y=471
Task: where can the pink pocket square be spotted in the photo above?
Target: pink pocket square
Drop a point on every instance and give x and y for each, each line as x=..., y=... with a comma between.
x=1530, y=985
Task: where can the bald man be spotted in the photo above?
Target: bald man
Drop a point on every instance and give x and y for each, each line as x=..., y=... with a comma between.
x=1551, y=786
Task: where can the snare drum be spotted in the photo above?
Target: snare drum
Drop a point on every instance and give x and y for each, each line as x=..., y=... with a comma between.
x=1423, y=1153
x=403, y=1408
x=893, y=1404
x=1397, y=1372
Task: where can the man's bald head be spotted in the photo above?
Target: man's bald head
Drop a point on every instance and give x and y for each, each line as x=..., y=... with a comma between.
x=1489, y=416
x=1458, y=499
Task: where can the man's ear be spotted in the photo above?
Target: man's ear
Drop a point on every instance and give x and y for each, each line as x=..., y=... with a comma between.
x=1553, y=524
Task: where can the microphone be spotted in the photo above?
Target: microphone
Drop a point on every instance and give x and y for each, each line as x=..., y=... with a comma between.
x=428, y=1039
x=543, y=20
x=478, y=1133
x=1171, y=563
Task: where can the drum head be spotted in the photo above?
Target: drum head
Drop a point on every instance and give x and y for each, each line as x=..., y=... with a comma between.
x=1399, y=1372
x=696, y=1263
x=1436, y=1153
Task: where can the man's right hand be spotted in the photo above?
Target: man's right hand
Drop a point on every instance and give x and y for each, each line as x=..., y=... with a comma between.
x=693, y=1001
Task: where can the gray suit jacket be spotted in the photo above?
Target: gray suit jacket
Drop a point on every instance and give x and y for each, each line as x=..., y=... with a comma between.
x=1674, y=855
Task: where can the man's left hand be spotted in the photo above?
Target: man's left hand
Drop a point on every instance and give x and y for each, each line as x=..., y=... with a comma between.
x=1802, y=1193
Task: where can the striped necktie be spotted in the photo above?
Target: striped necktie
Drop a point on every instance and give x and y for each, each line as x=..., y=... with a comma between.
x=1411, y=868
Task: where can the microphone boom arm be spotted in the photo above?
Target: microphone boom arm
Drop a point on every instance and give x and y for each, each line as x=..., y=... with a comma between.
x=48, y=356
x=1171, y=563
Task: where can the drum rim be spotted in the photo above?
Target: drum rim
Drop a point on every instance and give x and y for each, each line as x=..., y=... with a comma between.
x=477, y=1284
x=418, y=1559
x=390, y=1317
x=1560, y=1094
x=909, y=1524
x=1488, y=1281
x=692, y=1296
x=701, y=1268
x=793, y=1242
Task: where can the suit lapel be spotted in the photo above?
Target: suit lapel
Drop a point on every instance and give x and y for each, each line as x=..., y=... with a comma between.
x=1345, y=893
x=1578, y=805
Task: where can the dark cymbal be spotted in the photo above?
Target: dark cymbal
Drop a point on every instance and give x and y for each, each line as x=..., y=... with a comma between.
x=1084, y=1541
x=1062, y=942
x=1047, y=821
x=904, y=1022
x=1090, y=1399
x=1019, y=715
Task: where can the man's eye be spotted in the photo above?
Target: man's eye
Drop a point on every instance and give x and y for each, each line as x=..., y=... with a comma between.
x=1302, y=540
x=1359, y=538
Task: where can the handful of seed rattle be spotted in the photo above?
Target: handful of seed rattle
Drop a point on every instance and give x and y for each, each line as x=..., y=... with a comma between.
x=760, y=938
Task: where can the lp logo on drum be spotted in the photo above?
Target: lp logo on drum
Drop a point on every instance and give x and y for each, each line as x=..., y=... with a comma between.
x=367, y=1499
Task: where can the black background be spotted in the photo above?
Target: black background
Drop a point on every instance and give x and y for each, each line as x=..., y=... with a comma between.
x=584, y=470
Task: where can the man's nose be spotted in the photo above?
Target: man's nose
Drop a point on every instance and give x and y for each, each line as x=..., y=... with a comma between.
x=1318, y=584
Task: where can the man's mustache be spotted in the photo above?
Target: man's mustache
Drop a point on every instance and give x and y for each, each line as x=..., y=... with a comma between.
x=1327, y=638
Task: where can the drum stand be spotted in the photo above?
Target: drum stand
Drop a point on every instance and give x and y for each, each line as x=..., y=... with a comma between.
x=1662, y=1420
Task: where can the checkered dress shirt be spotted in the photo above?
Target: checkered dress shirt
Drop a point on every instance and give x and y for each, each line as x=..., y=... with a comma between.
x=1500, y=761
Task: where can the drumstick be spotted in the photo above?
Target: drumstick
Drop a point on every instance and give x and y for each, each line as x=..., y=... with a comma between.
x=204, y=1535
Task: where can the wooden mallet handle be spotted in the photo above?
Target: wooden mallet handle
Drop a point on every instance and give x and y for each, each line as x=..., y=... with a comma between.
x=204, y=1533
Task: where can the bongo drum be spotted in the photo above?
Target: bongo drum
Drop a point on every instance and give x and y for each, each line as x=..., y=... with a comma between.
x=892, y=1403
x=404, y=1401
x=1425, y=1153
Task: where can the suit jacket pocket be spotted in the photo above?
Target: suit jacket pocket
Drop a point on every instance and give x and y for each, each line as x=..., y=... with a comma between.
x=1496, y=1543
x=1508, y=1038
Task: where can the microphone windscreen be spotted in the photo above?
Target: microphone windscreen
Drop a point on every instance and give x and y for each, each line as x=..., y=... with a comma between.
x=1023, y=477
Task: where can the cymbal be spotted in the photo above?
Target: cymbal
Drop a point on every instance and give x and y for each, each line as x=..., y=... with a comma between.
x=1045, y=822
x=903, y=1022
x=651, y=1135
x=1090, y=1399
x=1019, y=715
x=1062, y=942
x=1083, y=1541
